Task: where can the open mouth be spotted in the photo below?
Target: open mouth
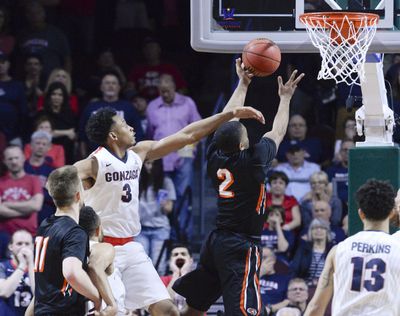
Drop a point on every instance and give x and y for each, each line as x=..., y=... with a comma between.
x=180, y=262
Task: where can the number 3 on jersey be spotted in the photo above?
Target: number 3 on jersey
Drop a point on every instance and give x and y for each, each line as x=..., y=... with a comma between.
x=227, y=180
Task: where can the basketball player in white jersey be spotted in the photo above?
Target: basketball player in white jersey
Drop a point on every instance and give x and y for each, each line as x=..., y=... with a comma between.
x=110, y=176
x=363, y=272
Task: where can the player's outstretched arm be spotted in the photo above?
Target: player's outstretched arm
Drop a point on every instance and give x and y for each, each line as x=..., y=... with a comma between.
x=281, y=120
x=192, y=133
x=324, y=291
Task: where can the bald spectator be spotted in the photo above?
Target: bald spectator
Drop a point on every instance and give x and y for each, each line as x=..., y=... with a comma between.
x=21, y=195
x=297, y=135
x=167, y=114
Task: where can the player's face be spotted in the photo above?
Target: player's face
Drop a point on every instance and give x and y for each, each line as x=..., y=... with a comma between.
x=21, y=239
x=40, y=146
x=278, y=186
x=110, y=86
x=180, y=256
x=56, y=99
x=297, y=128
x=14, y=159
x=297, y=292
x=125, y=133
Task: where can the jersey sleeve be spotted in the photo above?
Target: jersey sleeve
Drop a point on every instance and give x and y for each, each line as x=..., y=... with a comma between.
x=263, y=154
x=75, y=243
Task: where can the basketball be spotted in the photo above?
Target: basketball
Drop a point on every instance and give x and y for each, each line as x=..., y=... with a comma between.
x=261, y=56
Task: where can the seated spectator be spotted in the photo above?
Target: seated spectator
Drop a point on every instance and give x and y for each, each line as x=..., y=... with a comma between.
x=320, y=191
x=273, y=286
x=297, y=131
x=340, y=171
x=349, y=132
x=17, y=278
x=157, y=196
x=310, y=256
x=7, y=41
x=21, y=195
x=145, y=77
x=298, y=171
x=61, y=75
x=57, y=109
x=274, y=237
x=180, y=263
x=55, y=152
x=297, y=295
x=278, y=182
x=40, y=165
x=33, y=80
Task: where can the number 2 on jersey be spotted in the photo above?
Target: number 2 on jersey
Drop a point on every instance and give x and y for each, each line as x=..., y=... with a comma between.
x=375, y=267
x=40, y=252
x=227, y=180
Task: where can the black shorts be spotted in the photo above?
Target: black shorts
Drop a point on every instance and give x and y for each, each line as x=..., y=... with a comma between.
x=229, y=266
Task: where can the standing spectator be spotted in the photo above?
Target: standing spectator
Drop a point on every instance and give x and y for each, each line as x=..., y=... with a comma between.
x=146, y=77
x=298, y=171
x=7, y=41
x=55, y=152
x=17, y=279
x=13, y=108
x=297, y=135
x=44, y=39
x=110, y=88
x=166, y=115
x=34, y=85
x=57, y=109
x=320, y=191
x=156, y=201
x=278, y=182
x=21, y=195
x=40, y=164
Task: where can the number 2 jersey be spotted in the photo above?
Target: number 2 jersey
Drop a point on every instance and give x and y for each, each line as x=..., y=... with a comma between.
x=115, y=194
x=367, y=275
x=239, y=179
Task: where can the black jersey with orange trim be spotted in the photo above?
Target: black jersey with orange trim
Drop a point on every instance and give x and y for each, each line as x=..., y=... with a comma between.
x=58, y=238
x=239, y=179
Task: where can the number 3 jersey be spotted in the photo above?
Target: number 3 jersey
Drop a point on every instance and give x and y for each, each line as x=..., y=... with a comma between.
x=239, y=179
x=115, y=194
x=367, y=275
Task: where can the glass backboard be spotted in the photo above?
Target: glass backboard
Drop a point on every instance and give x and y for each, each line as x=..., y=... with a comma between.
x=227, y=25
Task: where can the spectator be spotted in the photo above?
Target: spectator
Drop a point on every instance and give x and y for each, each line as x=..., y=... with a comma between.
x=17, y=278
x=274, y=237
x=110, y=88
x=13, y=108
x=21, y=195
x=310, y=256
x=140, y=104
x=166, y=115
x=146, y=77
x=393, y=76
x=39, y=164
x=55, y=152
x=273, y=286
x=320, y=191
x=297, y=295
x=349, y=132
x=60, y=75
x=44, y=39
x=180, y=263
x=156, y=200
x=34, y=85
x=278, y=182
x=7, y=41
x=298, y=171
x=340, y=172
x=57, y=109
x=297, y=135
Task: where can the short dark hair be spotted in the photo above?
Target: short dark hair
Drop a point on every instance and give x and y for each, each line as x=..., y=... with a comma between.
x=278, y=175
x=62, y=184
x=228, y=136
x=376, y=199
x=110, y=73
x=279, y=209
x=180, y=245
x=99, y=125
x=89, y=220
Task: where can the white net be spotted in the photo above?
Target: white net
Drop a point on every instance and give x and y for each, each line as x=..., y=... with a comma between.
x=343, y=44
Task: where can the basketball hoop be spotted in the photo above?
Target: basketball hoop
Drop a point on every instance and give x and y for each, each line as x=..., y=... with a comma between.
x=343, y=39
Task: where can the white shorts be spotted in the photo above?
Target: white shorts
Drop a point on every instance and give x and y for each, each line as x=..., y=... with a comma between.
x=143, y=286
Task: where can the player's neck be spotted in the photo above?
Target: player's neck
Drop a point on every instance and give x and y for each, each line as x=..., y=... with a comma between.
x=71, y=211
x=117, y=150
x=377, y=225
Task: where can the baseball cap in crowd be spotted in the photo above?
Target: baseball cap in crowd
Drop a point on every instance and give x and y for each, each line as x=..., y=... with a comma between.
x=294, y=148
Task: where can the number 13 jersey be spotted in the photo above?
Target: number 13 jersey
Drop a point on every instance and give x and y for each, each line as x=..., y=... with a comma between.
x=115, y=194
x=367, y=275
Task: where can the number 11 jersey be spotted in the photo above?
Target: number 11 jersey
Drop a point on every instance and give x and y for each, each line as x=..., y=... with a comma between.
x=115, y=194
x=367, y=275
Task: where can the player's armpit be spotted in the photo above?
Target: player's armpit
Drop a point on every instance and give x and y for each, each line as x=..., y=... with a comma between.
x=87, y=169
x=101, y=256
x=324, y=291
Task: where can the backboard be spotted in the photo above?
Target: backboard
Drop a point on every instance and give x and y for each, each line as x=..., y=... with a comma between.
x=227, y=25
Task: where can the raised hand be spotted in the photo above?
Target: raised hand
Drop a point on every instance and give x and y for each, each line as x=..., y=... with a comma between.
x=244, y=75
x=248, y=112
x=287, y=89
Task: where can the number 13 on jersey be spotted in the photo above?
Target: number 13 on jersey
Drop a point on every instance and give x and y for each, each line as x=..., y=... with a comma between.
x=227, y=180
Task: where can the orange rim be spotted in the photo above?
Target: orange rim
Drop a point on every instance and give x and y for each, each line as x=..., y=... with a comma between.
x=320, y=19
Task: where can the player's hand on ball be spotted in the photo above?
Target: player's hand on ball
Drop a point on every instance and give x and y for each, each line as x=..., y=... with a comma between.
x=287, y=89
x=244, y=74
x=248, y=112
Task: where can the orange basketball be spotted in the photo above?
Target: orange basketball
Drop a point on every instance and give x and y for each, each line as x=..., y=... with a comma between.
x=262, y=56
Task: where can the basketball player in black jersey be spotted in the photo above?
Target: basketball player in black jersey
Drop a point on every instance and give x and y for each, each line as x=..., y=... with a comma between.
x=230, y=258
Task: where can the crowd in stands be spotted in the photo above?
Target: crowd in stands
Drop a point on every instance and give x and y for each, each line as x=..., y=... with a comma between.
x=48, y=92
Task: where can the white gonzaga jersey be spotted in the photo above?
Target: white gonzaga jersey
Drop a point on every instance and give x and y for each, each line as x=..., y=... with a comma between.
x=115, y=194
x=367, y=275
